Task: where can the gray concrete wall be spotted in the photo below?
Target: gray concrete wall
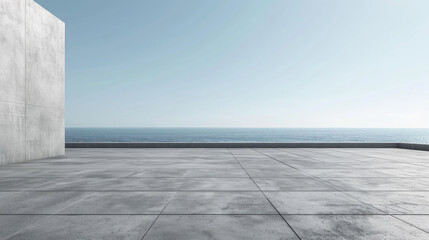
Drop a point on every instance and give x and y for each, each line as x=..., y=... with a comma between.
x=32, y=69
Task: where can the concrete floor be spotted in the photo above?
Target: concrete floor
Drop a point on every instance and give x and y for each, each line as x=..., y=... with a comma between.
x=218, y=194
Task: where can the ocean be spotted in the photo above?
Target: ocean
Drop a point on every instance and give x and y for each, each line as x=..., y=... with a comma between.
x=247, y=135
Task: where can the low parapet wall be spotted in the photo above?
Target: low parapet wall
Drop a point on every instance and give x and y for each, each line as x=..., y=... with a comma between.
x=424, y=147
x=225, y=145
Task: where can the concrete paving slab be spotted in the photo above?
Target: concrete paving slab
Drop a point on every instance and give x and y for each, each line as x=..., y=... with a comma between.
x=38, y=202
x=114, y=184
x=220, y=227
x=121, y=203
x=143, y=184
x=396, y=202
x=219, y=203
x=37, y=173
x=296, y=184
x=10, y=224
x=419, y=221
x=23, y=183
x=300, y=164
x=75, y=184
x=219, y=184
x=105, y=174
x=88, y=227
x=341, y=173
x=4, y=194
x=380, y=184
x=175, y=173
x=275, y=172
x=260, y=163
x=218, y=173
x=353, y=227
x=318, y=203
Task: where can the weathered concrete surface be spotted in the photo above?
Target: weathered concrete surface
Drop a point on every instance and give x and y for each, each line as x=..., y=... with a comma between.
x=12, y=127
x=12, y=81
x=31, y=82
x=89, y=227
x=44, y=58
x=12, y=49
x=218, y=193
x=44, y=132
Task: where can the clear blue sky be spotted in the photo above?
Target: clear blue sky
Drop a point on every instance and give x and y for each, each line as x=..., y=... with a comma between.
x=244, y=63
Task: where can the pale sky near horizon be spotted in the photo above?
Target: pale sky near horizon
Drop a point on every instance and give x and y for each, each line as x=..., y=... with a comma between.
x=246, y=63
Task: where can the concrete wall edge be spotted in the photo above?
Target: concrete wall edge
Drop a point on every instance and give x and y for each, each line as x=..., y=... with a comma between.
x=413, y=146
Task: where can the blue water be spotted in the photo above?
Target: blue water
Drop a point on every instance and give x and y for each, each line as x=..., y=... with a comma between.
x=246, y=135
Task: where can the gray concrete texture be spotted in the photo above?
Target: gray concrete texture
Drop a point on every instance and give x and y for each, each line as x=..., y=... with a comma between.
x=32, y=68
x=218, y=193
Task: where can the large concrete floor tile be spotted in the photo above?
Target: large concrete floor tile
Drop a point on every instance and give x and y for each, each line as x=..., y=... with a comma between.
x=342, y=173
x=380, y=165
x=373, y=227
x=106, y=174
x=219, y=203
x=23, y=183
x=10, y=224
x=220, y=228
x=144, y=184
x=300, y=164
x=4, y=194
x=379, y=184
x=38, y=173
x=243, y=151
x=216, y=173
x=296, y=184
x=209, y=165
x=275, y=172
x=260, y=163
x=409, y=172
x=75, y=184
x=161, y=173
x=88, y=227
x=114, y=184
x=318, y=203
x=38, y=202
x=121, y=203
x=396, y=202
x=219, y=184
x=419, y=221
x=189, y=165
